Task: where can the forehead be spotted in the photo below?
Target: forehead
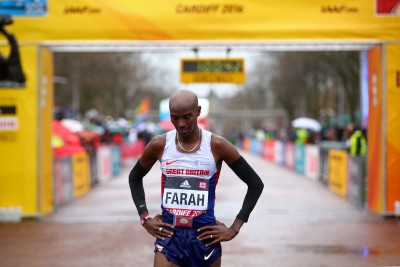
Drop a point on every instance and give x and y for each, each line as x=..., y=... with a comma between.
x=182, y=105
x=182, y=109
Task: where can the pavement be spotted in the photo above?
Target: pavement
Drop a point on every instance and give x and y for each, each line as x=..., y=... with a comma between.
x=297, y=222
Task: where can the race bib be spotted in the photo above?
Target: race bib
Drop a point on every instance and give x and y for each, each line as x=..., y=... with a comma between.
x=185, y=196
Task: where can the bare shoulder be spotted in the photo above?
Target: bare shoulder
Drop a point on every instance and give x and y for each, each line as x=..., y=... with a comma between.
x=158, y=142
x=223, y=149
x=218, y=141
x=153, y=151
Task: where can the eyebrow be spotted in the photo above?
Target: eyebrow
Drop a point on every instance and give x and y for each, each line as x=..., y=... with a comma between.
x=183, y=115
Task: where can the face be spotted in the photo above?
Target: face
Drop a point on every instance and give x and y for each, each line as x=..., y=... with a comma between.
x=184, y=120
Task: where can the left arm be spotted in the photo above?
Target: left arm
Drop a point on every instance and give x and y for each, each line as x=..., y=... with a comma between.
x=227, y=152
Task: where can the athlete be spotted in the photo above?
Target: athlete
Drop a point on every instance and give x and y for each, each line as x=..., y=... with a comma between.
x=187, y=233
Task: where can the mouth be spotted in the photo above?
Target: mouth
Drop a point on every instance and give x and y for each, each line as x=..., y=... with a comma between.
x=184, y=131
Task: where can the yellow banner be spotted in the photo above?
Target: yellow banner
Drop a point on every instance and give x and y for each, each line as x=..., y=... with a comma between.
x=104, y=20
x=392, y=126
x=337, y=172
x=45, y=121
x=18, y=144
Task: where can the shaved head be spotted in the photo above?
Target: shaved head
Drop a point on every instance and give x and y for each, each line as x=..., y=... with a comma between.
x=183, y=100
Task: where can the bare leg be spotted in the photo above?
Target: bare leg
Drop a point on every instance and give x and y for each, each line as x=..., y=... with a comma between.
x=161, y=261
x=217, y=263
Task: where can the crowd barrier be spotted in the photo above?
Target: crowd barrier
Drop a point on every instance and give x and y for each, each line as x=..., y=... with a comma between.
x=74, y=175
x=326, y=162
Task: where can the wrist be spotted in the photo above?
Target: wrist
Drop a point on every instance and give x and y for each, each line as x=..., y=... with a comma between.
x=144, y=219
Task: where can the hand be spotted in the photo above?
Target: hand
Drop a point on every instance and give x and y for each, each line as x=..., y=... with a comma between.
x=154, y=225
x=216, y=234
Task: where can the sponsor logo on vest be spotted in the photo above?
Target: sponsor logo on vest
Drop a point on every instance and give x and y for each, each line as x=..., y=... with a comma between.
x=185, y=184
x=170, y=162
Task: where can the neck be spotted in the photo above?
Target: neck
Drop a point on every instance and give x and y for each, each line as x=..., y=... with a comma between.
x=192, y=136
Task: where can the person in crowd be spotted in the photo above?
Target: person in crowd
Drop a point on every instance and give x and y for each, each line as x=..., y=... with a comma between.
x=356, y=141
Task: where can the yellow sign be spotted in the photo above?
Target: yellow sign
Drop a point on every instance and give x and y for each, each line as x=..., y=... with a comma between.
x=337, y=172
x=261, y=20
x=81, y=173
x=227, y=70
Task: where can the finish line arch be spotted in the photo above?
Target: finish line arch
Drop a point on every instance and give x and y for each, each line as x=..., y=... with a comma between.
x=83, y=25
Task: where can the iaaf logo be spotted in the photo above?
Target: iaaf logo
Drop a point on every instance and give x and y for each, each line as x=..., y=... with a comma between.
x=185, y=184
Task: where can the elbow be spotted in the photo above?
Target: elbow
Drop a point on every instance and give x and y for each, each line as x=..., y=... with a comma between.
x=259, y=187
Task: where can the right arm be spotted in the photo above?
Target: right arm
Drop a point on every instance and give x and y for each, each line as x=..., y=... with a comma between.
x=152, y=152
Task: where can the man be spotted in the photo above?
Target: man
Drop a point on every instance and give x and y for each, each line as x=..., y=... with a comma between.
x=356, y=141
x=187, y=233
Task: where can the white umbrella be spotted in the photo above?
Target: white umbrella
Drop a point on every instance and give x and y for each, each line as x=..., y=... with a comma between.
x=73, y=125
x=307, y=123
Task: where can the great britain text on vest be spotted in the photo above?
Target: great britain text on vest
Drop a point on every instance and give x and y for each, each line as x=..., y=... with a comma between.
x=187, y=172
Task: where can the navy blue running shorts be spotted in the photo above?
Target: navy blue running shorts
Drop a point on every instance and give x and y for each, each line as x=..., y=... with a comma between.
x=184, y=249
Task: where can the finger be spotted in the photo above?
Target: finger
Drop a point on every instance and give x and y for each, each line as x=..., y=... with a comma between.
x=203, y=235
x=167, y=225
x=212, y=243
x=158, y=216
x=205, y=228
x=165, y=232
x=206, y=236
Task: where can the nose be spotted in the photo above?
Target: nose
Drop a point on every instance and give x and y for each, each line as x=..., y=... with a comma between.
x=181, y=123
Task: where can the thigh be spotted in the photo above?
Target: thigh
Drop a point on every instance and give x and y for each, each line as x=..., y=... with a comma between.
x=161, y=261
x=217, y=263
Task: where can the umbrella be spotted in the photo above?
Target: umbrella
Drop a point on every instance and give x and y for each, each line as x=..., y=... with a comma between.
x=307, y=123
x=73, y=125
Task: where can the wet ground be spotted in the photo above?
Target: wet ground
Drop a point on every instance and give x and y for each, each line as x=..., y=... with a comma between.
x=297, y=222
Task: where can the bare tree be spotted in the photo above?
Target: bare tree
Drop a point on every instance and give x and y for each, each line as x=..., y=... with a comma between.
x=113, y=83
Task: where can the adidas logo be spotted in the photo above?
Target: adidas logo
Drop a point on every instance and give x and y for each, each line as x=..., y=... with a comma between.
x=185, y=184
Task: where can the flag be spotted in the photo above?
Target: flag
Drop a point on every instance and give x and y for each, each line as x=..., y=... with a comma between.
x=141, y=111
x=143, y=108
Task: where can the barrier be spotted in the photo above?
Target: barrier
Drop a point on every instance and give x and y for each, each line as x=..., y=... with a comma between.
x=311, y=162
x=94, y=174
x=269, y=150
x=115, y=153
x=254, y=146
x=323, y=165
x=337, y=174
x=132, y=150
x=81, y=174
x=327, y=162
x=104, y=167
x=279, y=151
x=289, y=156
x=356, y=184
x=63, y=187
x=299, y=158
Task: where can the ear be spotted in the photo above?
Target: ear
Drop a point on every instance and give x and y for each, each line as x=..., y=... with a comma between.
x=198, y=111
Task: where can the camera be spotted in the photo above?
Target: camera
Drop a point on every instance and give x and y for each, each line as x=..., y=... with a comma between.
x=5, y=20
